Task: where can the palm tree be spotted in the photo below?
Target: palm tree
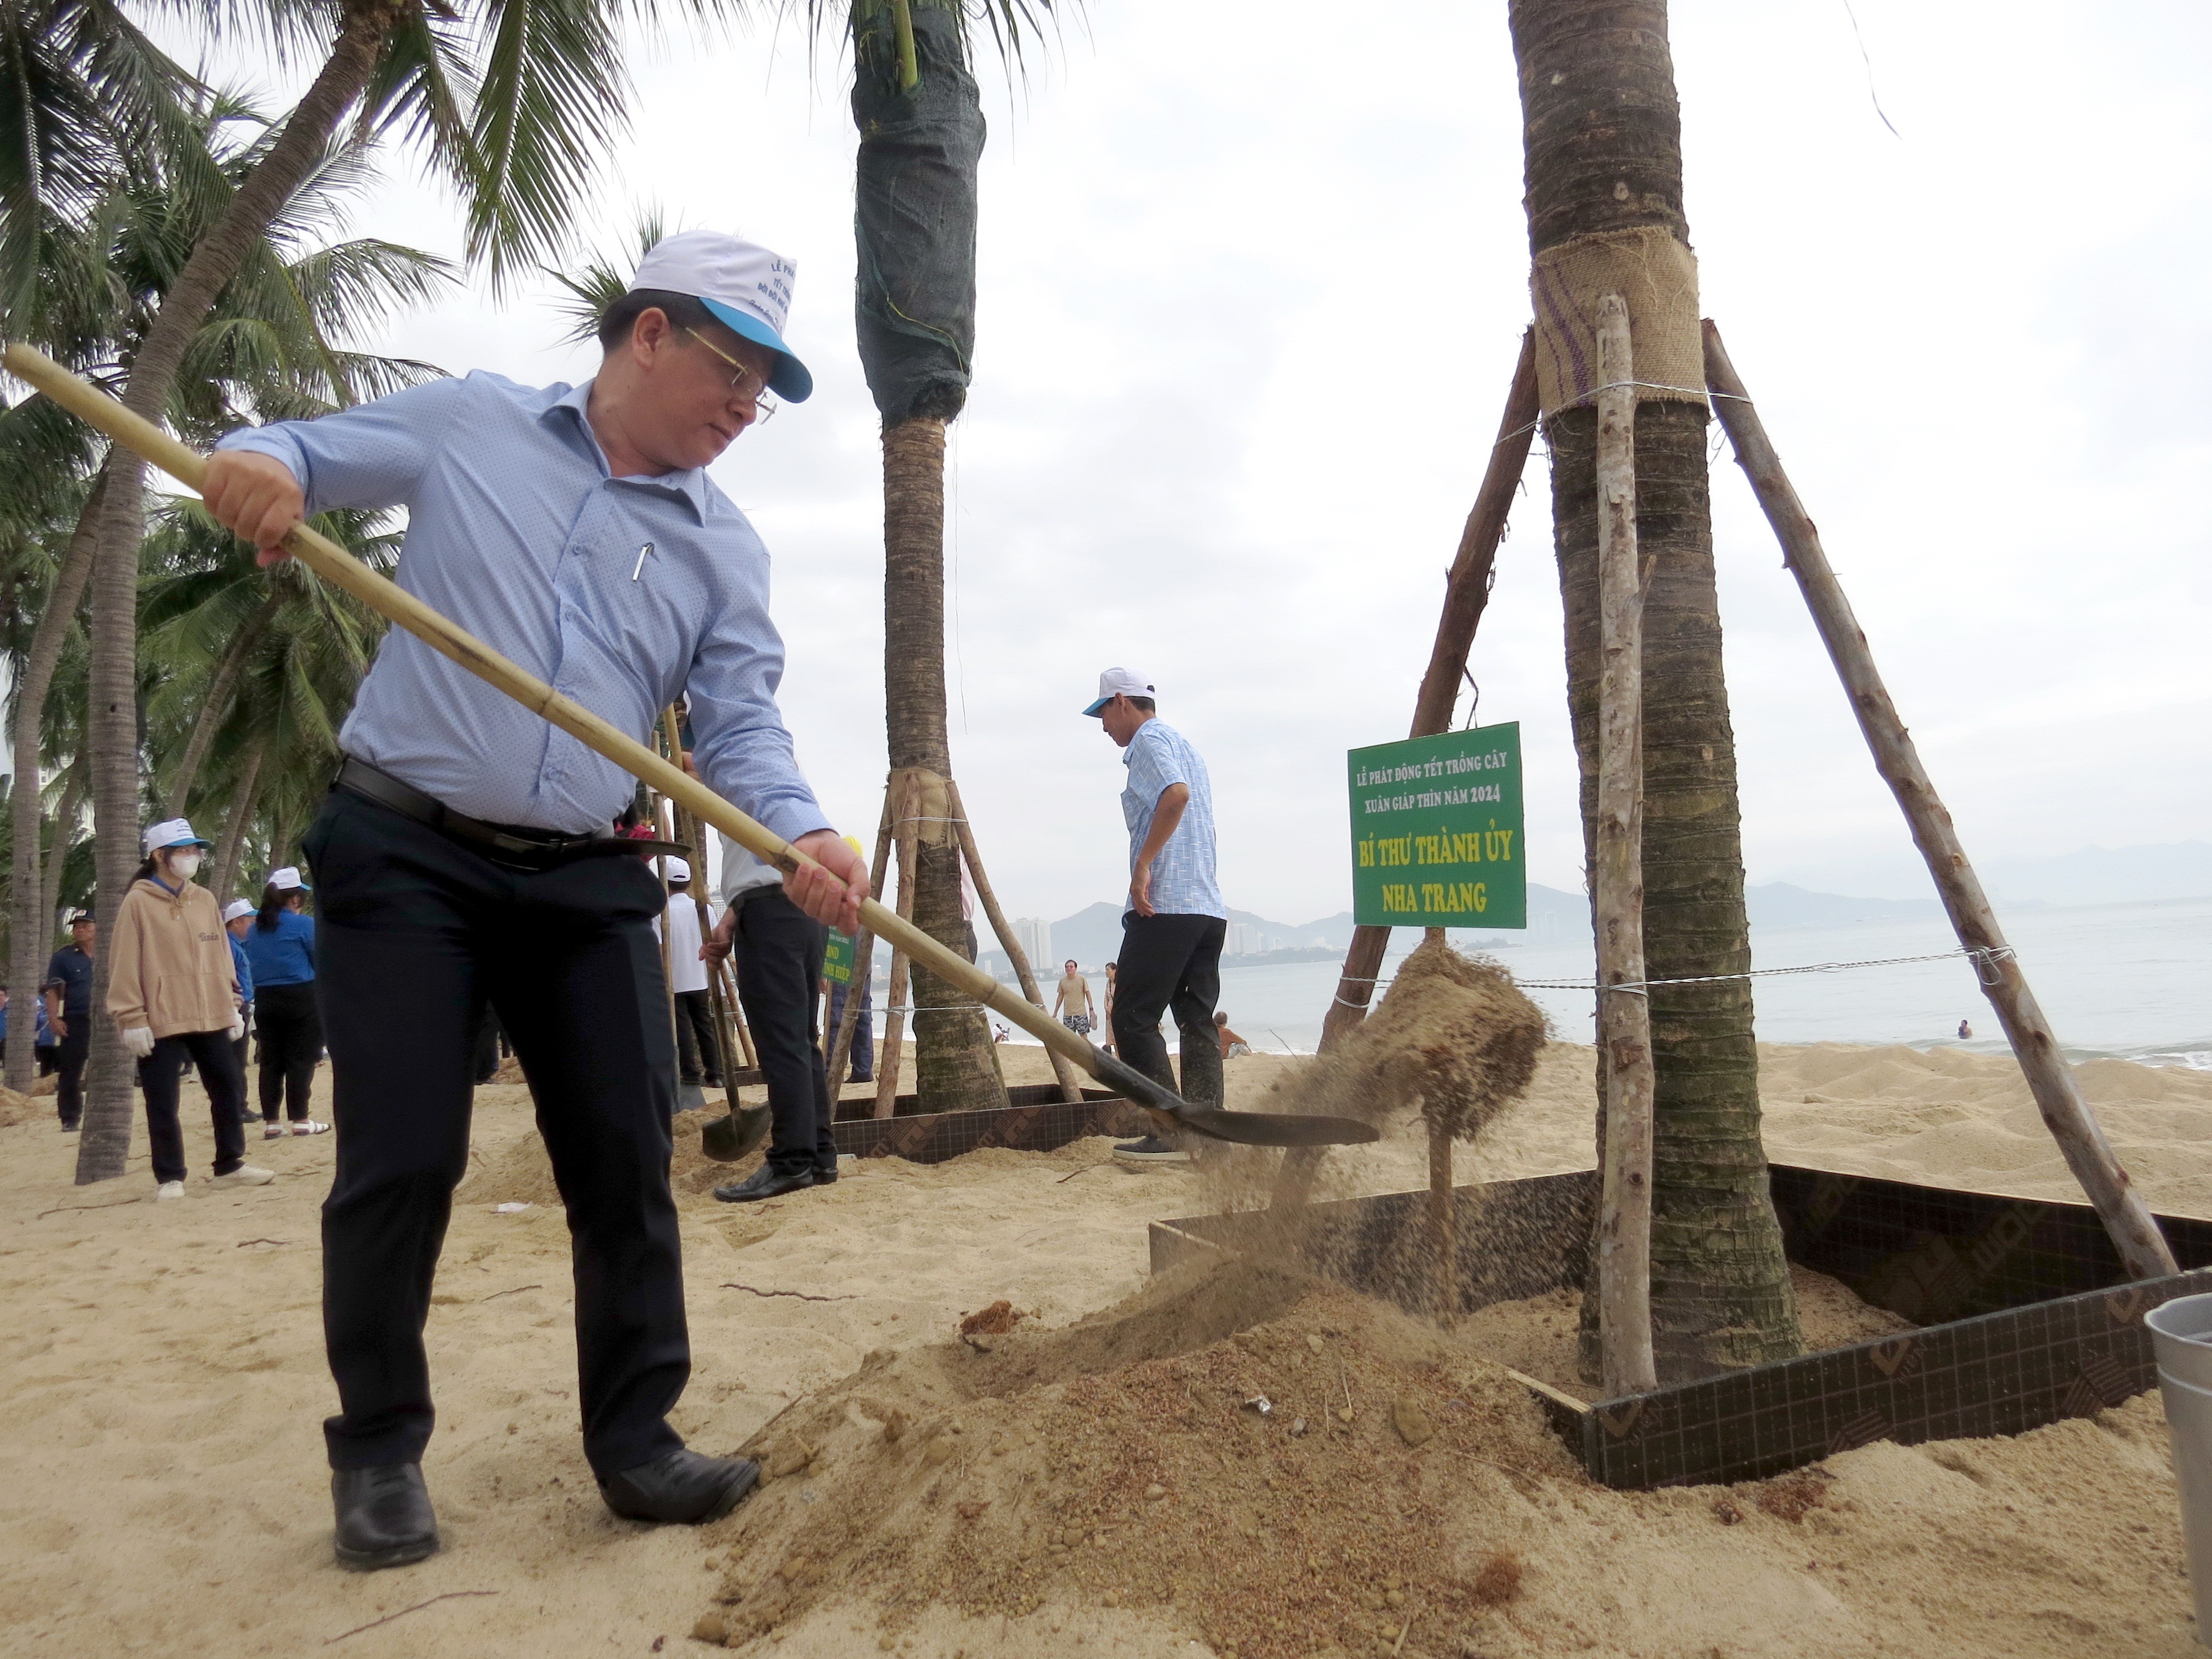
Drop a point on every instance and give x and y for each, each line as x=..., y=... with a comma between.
x=1603, y=135
x=920, y=121
x=517, y=99
x=267, y=349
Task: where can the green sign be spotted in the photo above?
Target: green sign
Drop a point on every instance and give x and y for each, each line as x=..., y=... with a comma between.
x=1436, y=831
x=837, y=960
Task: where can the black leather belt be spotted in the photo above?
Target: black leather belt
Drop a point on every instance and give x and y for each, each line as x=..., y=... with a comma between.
x=514, y=845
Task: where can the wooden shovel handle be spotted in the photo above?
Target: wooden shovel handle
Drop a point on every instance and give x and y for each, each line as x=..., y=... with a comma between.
x=334, y=564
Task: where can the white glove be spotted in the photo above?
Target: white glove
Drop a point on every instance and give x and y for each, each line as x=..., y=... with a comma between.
x=237, y=1027
x=139, y=1040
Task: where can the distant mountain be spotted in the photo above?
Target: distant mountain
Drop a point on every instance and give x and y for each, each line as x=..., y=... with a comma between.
x=1778, y=904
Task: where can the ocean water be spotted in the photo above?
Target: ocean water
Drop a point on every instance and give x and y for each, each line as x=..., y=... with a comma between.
x=2130, y=981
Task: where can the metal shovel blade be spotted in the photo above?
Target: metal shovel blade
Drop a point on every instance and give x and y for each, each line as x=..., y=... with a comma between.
x=731, y=1139
x=1245, y=1128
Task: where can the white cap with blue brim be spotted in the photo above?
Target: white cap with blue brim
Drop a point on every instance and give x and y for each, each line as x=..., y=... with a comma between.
x=747, y=288
x=172, y=832
x=1120, y=683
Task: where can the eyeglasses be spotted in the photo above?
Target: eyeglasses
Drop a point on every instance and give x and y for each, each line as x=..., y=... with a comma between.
x=764, y=407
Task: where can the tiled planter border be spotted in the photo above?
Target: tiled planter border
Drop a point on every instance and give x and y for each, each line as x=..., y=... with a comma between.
x=2024, y=1315
x=1038, y=1120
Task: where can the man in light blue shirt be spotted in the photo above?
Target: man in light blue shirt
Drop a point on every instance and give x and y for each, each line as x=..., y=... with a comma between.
x=1173, y=924
x=464, y=855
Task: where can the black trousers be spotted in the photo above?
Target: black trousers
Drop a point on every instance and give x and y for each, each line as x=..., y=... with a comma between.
x=291, y=1032
x=695, y=1037
x=414, y=935
x=779, y=961
x=244, y=1040
x=70, y=1054
x=1171, y=963
x=159, y=1075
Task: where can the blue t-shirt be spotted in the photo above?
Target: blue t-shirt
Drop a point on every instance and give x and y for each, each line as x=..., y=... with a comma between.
x=1183, y=884
x=285, y=955
x=241, y=966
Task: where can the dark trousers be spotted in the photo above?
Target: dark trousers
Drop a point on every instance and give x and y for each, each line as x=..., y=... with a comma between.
x=414, y=935
x=779, y=961
x=159, y=1075
x=695, y=1038
x=1171, y=963
x=291, y=1032
x=70, y=1054
x=245, y=1037
x=864, y=1031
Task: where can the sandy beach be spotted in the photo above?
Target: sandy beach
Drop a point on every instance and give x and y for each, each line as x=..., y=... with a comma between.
x=165, y=1384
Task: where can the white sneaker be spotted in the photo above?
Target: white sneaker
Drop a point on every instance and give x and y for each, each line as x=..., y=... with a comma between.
x=169, y=1189
x=244, y=1176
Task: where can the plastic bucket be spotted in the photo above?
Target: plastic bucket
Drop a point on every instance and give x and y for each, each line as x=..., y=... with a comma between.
x=2181, y=1334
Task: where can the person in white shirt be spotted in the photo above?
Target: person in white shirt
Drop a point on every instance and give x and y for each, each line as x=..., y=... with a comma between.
x=687, y=976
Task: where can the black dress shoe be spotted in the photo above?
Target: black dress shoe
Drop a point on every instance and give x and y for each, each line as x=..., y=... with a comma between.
x=384, y=1516
x=767, y=1181
x=684, y=1485
x=825, y=1176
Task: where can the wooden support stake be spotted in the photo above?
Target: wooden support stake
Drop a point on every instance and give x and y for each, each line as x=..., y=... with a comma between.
x=887, y=1073
x=736, y=1011
x=1070, y=1090
x=1467, y=591
x=2058, y=1094
x=1625, y=1062
x=1443, y=1228
x=863, y=948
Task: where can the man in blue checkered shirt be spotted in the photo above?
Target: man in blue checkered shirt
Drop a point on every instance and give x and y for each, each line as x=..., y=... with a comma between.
x=1173, y=923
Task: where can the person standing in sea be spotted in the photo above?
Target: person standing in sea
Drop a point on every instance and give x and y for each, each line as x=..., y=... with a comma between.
x=465, y=854
x=1174, y=921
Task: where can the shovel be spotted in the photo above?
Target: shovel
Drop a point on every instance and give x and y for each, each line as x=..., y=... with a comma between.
x=1168, y=1111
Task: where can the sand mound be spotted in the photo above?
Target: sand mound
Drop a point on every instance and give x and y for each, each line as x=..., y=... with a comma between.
x=1126, y=1462
x=1453, y=1037
x=17, y=1108
x=519, y=1172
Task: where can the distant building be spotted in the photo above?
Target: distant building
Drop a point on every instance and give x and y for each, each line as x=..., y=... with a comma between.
x=1243, y=940
x=1034, y=935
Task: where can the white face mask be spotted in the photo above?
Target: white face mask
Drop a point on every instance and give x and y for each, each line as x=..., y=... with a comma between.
x=184, y=865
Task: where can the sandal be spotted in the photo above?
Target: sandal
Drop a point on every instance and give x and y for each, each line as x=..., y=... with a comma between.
x=307, y=1126
x=272, y=1132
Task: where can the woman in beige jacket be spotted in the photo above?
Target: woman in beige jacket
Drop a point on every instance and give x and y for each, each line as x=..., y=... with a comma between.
x=174, y=993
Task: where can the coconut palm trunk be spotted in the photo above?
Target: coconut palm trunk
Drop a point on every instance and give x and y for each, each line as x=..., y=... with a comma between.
x=920, y=122
x=1602, y=136
x=112, y=731
x=214, y=707
x=224, y=877
x=31, y=916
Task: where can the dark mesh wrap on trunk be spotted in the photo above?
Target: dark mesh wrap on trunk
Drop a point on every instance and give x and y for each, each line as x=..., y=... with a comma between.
x=914, y=216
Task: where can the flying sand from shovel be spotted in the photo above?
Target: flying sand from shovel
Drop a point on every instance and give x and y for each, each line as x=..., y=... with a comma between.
x=1168, y=1109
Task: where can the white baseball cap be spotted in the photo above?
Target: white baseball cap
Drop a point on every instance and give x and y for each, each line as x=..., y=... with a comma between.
x=235, y=908
x=678, y=871
x=1120, y=683
x=746, y=287
x=287, y=879
x=172, y=832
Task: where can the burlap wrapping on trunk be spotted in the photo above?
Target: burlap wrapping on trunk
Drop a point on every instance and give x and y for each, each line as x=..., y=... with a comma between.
x=929, y=805
x=1658, y=277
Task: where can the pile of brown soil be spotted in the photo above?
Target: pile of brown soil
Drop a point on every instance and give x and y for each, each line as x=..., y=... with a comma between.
x=519, y=1172
x=1273, y=1465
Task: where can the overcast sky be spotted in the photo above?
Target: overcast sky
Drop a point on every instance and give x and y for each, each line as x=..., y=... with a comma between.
x=1251, y=287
